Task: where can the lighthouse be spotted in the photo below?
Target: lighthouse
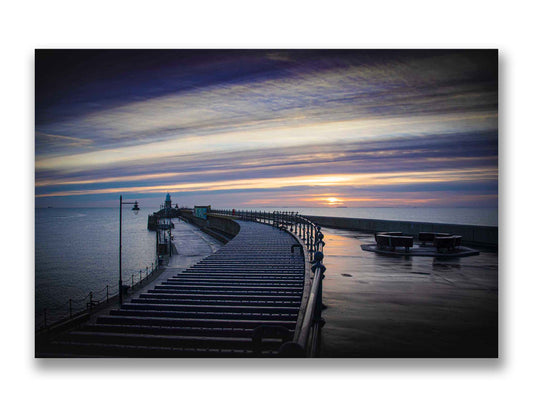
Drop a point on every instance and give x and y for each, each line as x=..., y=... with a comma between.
x=168, y=206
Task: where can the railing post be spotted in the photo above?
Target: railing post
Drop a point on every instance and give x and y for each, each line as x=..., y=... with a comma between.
x=291, y=222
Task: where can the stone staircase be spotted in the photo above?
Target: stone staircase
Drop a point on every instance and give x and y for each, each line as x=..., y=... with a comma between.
x=242, y=301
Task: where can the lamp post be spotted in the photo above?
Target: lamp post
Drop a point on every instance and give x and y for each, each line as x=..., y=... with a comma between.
x=135, y=210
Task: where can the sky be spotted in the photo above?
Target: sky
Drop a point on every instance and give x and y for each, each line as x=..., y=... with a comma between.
x=260, y=128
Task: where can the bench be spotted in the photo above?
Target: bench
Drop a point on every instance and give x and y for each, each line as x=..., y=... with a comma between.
x=425, y=237
x=388, y=233
x=386, y=240
x=447, y=242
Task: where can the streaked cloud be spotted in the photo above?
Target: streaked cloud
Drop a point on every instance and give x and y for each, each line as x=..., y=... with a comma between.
x=271, y=122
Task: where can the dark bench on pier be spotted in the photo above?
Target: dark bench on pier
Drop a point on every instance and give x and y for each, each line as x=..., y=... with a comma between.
x=392, y=240
x=429, y=237
x=388, y=234
x=447, y=242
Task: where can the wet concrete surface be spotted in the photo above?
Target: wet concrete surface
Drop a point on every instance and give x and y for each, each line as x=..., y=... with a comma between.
x=401, y=306
x=190, y=246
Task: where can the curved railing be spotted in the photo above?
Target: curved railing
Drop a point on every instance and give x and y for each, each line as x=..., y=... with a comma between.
x=306, y=338
x=72, y=308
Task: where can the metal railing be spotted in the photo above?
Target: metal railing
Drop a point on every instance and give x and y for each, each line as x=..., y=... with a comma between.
x=73, y=308
x=306, y=339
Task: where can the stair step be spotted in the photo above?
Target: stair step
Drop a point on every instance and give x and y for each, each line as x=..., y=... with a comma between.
x=172, y=341
x=213, y=287
x=170, y=330
x=231, y=283
x=214, y=297
x=83, y=349
x=248, y=277
x=224, y=302
x=243, y=273
x=191, y=322
x=226, y=290
x=206, y=315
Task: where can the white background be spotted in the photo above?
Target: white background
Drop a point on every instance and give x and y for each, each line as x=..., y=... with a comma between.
x=28, y=25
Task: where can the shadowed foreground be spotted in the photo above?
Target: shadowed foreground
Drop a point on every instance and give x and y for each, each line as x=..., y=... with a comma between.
x=399, y=306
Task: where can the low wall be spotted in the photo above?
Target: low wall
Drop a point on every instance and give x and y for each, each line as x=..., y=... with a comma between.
x=223, y=224
x=476, y=235
x=218, y=224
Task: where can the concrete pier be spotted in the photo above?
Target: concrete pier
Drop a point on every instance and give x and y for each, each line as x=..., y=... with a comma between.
x=213, y=308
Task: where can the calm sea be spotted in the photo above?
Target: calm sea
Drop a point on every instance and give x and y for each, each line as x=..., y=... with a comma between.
x=460, y=216
x=76, y=250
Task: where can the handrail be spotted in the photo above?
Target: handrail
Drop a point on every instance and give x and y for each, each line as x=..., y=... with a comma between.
x=306, y=339
x=91, y=300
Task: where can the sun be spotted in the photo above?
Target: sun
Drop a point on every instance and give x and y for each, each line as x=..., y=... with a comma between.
x=333, y=201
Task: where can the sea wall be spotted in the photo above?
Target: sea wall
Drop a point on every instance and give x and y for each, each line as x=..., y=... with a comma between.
x=223, y=228
x=223, y=224
x=476, y=235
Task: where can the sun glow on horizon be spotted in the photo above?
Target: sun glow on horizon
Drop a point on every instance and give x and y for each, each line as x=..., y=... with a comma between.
x=332, y=201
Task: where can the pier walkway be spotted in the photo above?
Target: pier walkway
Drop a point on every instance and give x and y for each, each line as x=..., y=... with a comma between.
x=243, y=300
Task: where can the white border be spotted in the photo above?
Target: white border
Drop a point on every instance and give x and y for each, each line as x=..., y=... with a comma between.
x=333, y=24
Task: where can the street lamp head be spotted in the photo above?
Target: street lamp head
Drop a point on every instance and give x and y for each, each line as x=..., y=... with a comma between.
x=135, y=208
